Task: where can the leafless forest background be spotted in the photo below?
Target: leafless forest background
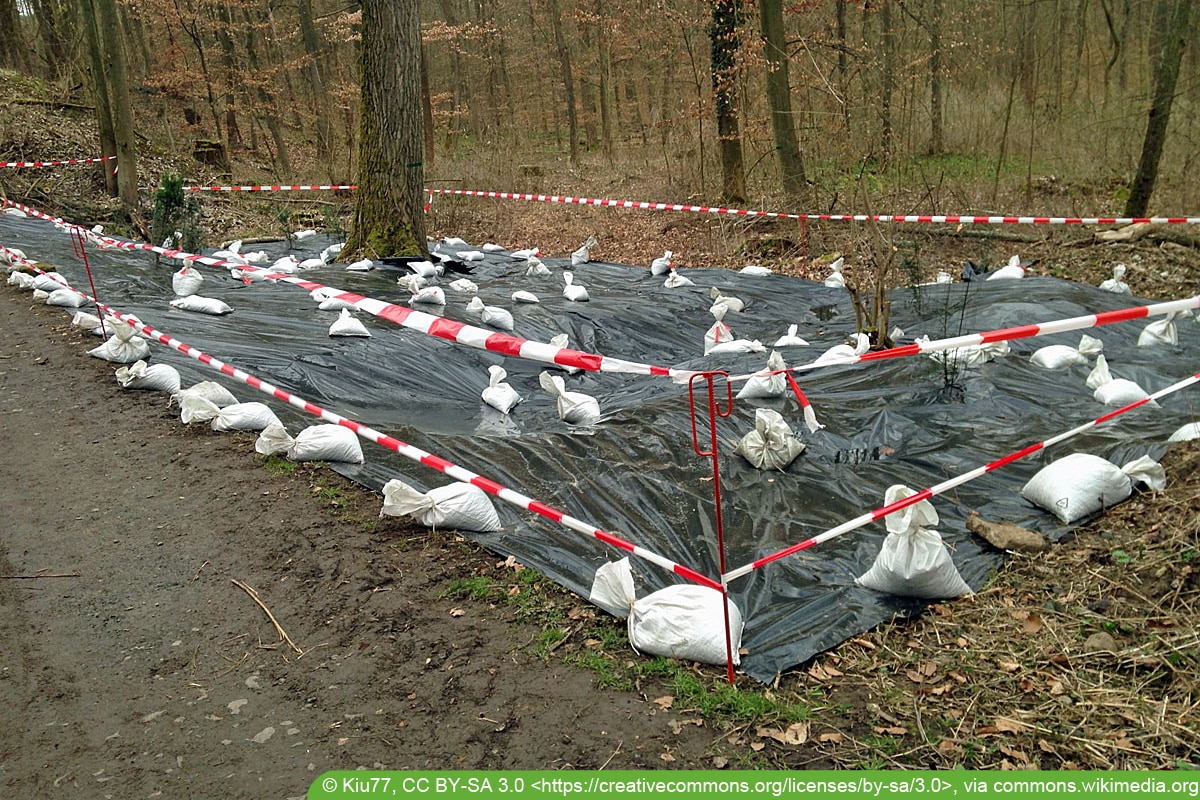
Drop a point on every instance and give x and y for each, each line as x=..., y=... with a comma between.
x=927, y=105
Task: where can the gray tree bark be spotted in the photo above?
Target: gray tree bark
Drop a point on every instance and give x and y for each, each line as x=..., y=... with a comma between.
x=389, y=216
x=779, y=99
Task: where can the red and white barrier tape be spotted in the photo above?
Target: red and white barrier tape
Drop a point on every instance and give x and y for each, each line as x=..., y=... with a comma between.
x=1002, y=335
x=402, y=448
x=56, y=163
x=945, y=486
x=295, y=188
x=442, y=328
x=963, y=219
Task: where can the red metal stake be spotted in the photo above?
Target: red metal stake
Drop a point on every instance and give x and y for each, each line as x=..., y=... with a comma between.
x=714, y=412
x=77, y=241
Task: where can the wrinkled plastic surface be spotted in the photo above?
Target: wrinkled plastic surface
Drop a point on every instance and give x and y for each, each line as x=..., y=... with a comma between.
x=634, y=473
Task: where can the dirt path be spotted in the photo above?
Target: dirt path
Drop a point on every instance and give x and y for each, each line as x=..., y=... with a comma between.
x=148, y=670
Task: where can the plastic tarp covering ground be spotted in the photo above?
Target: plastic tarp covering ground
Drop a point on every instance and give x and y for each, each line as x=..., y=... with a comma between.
x=635, y=472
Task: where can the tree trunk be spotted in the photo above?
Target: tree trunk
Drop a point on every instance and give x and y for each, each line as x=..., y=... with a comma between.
x=266, y=100
x=116, y=72
x=316, y=81
x=937, y=143
x=564, y=68
x=388, y=206
x=724, y=40
x=12, y=48
x=779, y=99
x=104, y=119
x=1172, y=31
x=887, y=79
x=235, y=87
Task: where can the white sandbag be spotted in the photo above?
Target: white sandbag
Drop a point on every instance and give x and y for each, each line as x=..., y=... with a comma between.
x=771, y=445
x=66, y=298
x=157, y=377
x=49, y=282
x=335, y=304
x=1060, y=356
x=719, y=332
x=348, y=325
x=498, y=394
x=362, y=265
x=1185, y=433
x=1113, y=391
x=755, y=270
x=790, y=339
x=492, y=316
x=574, y=408
x=21, y=280
x=88, y=322
x=464, y=285
x=194, y=408
x=584, y=253
x=972, y=356
x=459, y=506
x=662, y=264
x=675, y=280
x=124, y=346
x=685, y=621
x=201, y=305
x=522, y=296
x=414, y=283
x=1160, y=332
x=737, y=346
x=770, y=382
x=862, y=343
x=573, y=291
x=424, y=269
x=1078, y=485
x=252, y=416
x=491, y=247
x=913, y=561
x=534, y=268
x=612, y=588
x=40, y=295
x=1115, y=284
x=526, y=253
x=681, y=621
x=186, y=281
x=729, y=301
x=209, y=390
x=835, y=279
x=1013, y=270
x=430, y=295
x=316, y=443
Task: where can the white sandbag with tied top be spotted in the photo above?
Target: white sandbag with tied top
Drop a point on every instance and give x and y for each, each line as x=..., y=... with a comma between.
x=457, y=506
x=327, y=442
x=1079, y=485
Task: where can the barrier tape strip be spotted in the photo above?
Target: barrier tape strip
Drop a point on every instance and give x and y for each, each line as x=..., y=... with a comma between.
x=1002, y=335
x=962, y=219
x=56, y=163
x=944, y=486
x=295, y=188
x=402, y=448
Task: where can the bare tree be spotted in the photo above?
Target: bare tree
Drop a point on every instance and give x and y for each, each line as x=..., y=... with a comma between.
x=779, y=99
x=725, y=41
x=388, y=209
x=117, y=81
x=1172, y=32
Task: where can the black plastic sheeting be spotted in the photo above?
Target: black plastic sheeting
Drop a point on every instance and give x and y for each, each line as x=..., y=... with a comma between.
x=635, y=472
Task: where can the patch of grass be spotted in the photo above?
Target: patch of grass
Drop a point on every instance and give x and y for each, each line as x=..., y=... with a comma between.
x=716, y=699
x=477, y=587
x=609, y=673
x=276, y=465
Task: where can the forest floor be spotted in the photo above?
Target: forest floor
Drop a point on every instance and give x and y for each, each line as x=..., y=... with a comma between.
x=137, y=659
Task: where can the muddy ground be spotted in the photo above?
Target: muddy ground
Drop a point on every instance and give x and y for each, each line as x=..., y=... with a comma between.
x=132, y=663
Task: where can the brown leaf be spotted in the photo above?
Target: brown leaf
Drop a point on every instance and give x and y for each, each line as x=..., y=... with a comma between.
x=592, y=644
x=958, y=676
x=1046, y=747
x=941, y=690
x=891, y=731
x=514, y=590
x=1009, y=725
x=864, y=643
x=831, y=738
x=1007, y=666
x=757, y=746
x=665, y=702
x=914, y=676
x=667, y=757
x=1032, y=624
x=928, y=669
x=457, y=612
x=949, y=746
x=961, y=642
x=1017, y=754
